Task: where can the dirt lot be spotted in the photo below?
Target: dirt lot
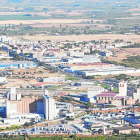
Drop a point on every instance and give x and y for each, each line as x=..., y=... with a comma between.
x=43, y=21
x=112, y=37
x=123, y=53
x=23, y=76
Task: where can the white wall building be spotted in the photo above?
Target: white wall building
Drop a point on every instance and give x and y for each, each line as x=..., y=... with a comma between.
x=94, y=91
x=49, y=106
x=54, y=79
x=13, y=93
x=136, y=96
x=123, y=88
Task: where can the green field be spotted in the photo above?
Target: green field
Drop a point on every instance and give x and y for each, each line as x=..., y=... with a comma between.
x=19, y=17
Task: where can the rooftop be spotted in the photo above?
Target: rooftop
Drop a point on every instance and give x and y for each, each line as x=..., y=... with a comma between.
x=107, y=94
x=120, y=97
x=126, y=128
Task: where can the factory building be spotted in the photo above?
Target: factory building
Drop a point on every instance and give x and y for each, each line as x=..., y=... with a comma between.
x=54, y=79
x=91, y=69
x=117, y=99
x=13, y=96
x=49, y=106
x=122, y=88
x=16, y=65
x=17, y=107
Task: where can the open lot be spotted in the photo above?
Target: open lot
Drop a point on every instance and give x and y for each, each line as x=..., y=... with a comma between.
x=17, y=22
x=112, y=37
x=123, y=53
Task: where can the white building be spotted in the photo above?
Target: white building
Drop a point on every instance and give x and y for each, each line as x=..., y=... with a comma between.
x=49, y=106
x=54, y=79
x=123, y=88
x=93, y=92
x=13, y=96
x=13, y=93
x=136, y=96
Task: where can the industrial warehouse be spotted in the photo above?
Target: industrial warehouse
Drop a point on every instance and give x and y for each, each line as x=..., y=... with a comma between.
x=18, y=64
x=97, y=69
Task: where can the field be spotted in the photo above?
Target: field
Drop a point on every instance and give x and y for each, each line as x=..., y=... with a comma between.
x=123, y=53
x=112, y=37
x=47, y=21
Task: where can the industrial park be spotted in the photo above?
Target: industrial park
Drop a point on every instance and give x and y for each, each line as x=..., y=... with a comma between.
x=69, y=70
x=49, y=90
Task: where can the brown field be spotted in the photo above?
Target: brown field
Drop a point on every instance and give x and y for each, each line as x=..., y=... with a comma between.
x=123, y=53
x=112, y=37
x=134, y=74
x=43, y=21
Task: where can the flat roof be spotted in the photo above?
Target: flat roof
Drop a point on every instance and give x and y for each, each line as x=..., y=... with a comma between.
x=16, y=62
x=126, y=128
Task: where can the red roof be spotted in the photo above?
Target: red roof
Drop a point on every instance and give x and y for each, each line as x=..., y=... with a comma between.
x=107, y=94
x=40, y=84
x=120, y=97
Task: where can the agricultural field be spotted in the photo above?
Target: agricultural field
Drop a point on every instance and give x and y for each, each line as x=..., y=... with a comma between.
x=88, y=17
x=112, y=37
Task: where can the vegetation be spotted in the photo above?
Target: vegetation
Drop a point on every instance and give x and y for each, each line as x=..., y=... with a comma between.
x=88, y=104
x=10, y=128
x=136, y=45
x=81, y=115
x=132, y=61
x=71, y=78
x=104, y=86
x=115, y=90
x=71, y=137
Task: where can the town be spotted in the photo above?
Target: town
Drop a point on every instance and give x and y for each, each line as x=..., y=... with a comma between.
x=66, y=88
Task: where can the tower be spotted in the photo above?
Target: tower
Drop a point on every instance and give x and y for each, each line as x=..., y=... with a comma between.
x=49, y=106
x=13, y=93
x=122, y=88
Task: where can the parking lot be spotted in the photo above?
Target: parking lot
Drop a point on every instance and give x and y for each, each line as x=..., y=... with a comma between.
x=53, y=129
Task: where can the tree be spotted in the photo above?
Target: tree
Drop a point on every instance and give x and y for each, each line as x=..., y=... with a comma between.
x=70, y=99
x=88, y=104
x=138, y=104
x=5, y=135
x=133, y=133
x=121, y=40
x=108, y=126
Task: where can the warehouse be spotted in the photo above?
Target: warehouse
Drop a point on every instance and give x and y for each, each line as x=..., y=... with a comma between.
x=16, y=65
x=111, y=70
x=54, y=79
x=100, y=70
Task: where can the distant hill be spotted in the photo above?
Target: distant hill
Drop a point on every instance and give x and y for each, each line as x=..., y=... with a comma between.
x=19, y=1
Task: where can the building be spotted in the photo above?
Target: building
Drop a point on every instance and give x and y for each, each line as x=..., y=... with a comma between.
x=3, y=81
x=117, y=99
x=25, y=105
x=122, y=88
x=54, y=79
x=125, y=130
x=106, y=53
x=49, y=106
x=136, y=96
x=17, y=65
x=12, y=95
x=17, y=107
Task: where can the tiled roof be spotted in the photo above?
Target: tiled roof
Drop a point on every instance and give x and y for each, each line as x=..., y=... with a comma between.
x=39, y=84
x=120, y=97
x=107, y=94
